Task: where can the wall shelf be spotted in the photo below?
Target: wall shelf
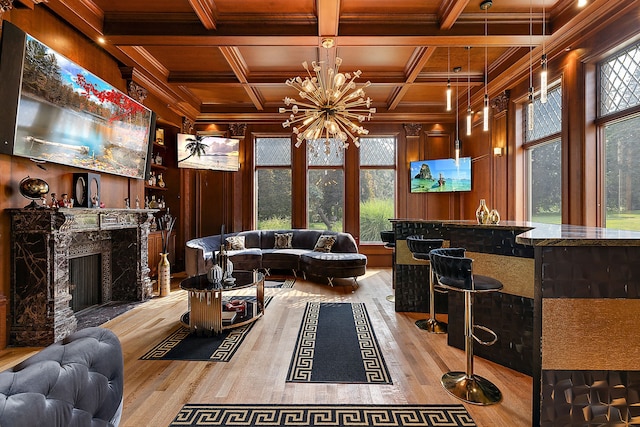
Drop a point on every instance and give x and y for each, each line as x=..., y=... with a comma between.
x=155, y=187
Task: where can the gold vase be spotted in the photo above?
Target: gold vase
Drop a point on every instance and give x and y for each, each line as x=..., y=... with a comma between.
x=164, y=275
x=482, y=213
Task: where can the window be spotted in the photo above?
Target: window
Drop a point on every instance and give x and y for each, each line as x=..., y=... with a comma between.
x=273, y=183
x=377, y=186
x=620, y=123
x=543, y=146
x=325, y=193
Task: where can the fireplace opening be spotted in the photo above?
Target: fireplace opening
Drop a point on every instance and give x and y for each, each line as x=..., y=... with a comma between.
x=85, y=281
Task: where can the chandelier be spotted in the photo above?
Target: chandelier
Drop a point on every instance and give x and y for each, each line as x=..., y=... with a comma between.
x=331, y=106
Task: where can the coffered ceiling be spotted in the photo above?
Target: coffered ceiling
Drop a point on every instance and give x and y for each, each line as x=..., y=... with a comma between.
x=227, y=60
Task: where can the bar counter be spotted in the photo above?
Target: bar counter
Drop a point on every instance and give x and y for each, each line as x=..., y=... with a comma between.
x=567, y=314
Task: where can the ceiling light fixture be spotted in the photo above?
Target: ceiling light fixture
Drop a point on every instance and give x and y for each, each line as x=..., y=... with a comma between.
x=468, y=90
x=582, y=3
x=485, y=5
x=456, y=144
x=330, y=104
x=543, y=60
x=448, y=78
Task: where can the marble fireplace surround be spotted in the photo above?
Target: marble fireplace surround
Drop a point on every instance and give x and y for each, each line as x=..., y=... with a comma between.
x=44, y=240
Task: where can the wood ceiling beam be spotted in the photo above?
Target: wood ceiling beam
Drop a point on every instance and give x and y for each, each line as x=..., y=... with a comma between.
x=420, y=58
x=274, y=117
x=511, y=40
x=241, y=70
x=328, y=17
x=87, y=17
x=207, y=12
x=84, y=15
x=449, y=12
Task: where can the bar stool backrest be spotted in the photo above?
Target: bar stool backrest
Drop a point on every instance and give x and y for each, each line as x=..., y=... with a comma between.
x=418, y=244
x=452, y=268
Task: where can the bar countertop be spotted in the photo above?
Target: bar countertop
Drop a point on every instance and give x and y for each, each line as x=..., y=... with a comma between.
x=540, y=234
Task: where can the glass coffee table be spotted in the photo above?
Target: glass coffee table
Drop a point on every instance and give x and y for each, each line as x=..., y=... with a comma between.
x=213, y=309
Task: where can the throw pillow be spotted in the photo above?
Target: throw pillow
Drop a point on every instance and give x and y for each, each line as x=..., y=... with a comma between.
x=283, y=240
x=324, y=243
x=235, y=243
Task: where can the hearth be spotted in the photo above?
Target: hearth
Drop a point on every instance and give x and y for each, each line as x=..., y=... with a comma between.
x=55, y=251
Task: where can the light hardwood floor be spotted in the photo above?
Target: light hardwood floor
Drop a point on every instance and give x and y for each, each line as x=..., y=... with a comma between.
x=156, y=390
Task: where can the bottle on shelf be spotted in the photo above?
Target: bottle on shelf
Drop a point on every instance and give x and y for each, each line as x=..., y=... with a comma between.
x=160, y=181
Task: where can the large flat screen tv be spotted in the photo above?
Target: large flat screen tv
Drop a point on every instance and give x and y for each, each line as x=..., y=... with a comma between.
x=54, y=110
x=441, y=175
x=208, y=152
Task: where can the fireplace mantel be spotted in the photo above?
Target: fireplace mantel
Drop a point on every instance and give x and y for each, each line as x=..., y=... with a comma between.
x=42, y=242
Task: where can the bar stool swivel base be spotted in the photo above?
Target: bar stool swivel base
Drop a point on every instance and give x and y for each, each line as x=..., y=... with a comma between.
x=472, y=389
x=432, y=325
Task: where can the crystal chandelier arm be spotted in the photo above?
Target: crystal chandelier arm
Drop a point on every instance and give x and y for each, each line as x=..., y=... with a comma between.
x=342, y=95
x=348, y=126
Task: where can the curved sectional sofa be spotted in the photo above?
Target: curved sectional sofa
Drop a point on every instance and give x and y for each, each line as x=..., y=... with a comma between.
x=299, y=250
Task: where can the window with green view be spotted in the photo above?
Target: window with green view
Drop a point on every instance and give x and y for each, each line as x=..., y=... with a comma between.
x=377, y=186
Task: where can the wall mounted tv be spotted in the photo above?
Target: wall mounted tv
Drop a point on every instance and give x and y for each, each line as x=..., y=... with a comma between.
x=208, y=152
x=54, y=110
x=442, y=175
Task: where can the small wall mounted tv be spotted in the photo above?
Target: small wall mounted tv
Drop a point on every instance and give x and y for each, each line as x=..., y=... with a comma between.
x=441, y=175
x=55, y=110
x=208, y=152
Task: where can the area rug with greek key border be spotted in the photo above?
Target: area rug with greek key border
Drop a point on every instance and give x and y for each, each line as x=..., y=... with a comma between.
x=181, y=344
x=323, y=415
x=336, y=344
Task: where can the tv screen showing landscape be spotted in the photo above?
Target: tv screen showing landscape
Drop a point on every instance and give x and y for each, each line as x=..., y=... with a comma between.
x=208, y=152
x=67, y=115
x=441, y=175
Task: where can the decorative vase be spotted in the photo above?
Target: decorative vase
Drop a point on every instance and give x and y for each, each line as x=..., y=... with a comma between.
x=482, y=213
x=494, y=217
x=214, y=275
x=164, y=275
x=222, y=259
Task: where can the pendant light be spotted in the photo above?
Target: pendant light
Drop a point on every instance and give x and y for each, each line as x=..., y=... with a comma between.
x=448, y=78
x=456, y=144
x=530, y=104
x=485, y=5
x=468, y=90
x=543, y=60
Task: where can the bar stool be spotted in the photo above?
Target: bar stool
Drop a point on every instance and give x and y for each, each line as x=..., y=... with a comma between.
x=454, y=272
x=420, y=248
x=389, y=240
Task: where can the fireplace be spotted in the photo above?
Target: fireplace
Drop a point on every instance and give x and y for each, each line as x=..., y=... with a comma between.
x=85, y=282
x=68, y=259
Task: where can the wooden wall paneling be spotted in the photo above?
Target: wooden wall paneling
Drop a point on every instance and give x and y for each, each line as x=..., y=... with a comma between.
x=212, y=202
x=299, y=204
x=188, y=215
x=352, y=192
x=415, y=206
x=439, y=206
x=499, y=163
x=515, y=179
x=575, y=174
x=402, y=176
